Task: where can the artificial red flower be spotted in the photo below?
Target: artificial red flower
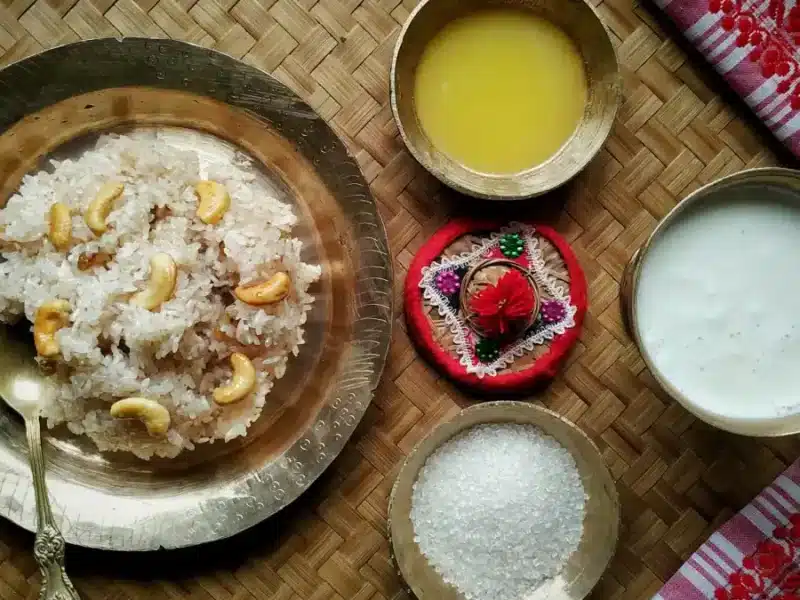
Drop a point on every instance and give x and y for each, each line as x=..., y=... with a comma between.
x=499, y=307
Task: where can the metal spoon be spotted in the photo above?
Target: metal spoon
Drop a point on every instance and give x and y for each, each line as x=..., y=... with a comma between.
x=24, y=388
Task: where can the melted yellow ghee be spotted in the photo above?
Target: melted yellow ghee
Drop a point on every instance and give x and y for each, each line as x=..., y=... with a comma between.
x=500, y=90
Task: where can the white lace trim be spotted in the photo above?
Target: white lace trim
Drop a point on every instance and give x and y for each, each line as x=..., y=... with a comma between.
x=463, y=336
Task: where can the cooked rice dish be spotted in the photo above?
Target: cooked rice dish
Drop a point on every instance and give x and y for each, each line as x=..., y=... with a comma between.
x=147, y=274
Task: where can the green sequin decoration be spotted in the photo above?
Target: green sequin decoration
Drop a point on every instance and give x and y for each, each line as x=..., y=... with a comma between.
x=487, y=350
x=512, y=245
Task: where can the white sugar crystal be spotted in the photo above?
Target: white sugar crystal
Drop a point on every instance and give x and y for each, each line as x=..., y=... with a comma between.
x=498, y=510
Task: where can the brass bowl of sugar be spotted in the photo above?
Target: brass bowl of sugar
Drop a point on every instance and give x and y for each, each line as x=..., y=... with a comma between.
x=504, y=100
x=506, y=500
x=711, y=301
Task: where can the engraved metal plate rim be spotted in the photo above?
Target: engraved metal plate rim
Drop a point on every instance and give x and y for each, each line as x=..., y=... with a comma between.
x=34, y=83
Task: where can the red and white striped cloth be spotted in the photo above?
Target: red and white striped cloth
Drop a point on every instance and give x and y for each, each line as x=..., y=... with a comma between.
x=754, y=45
x=754, y=556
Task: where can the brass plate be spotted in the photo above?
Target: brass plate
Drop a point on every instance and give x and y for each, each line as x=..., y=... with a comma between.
x=601, y=523
x=604, y=85
x=776, y=177
x=115, y=501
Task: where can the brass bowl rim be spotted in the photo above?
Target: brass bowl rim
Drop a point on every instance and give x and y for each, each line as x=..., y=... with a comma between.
x=630, y=284
x=476, y=193
x=495, y=411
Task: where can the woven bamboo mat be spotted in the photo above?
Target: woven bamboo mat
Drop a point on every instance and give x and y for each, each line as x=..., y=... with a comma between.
x=678, y=480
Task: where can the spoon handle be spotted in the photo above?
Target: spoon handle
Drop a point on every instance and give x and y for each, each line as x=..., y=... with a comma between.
x=48, y=549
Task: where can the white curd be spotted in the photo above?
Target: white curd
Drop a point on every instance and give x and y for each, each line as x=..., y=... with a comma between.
x=718, y=303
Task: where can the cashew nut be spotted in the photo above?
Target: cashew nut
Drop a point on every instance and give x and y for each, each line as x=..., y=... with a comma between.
x=50, y=317
x=160, y=286
x=242, y=382
x=97, y=212
x=154, y=416
x=274, y=289
x=60, y=226
x=214, y=201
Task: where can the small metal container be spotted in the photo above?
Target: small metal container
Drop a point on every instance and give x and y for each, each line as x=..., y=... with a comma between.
x=600, y=526
x=578, y=20
x=771, y=176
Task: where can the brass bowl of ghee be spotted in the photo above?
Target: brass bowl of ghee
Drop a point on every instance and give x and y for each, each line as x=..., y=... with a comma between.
x=504, y=100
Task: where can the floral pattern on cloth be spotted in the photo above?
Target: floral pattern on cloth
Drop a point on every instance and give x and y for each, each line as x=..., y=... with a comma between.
x=754, y=556
x=439, y=291
x=755, y=46
x=769, y=572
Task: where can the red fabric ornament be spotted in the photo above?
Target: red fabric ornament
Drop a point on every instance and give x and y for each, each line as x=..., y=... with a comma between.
x=544, y=367
x=498, y=308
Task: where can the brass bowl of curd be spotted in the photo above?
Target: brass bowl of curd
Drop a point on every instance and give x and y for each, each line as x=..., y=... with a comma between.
x=504, y=100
